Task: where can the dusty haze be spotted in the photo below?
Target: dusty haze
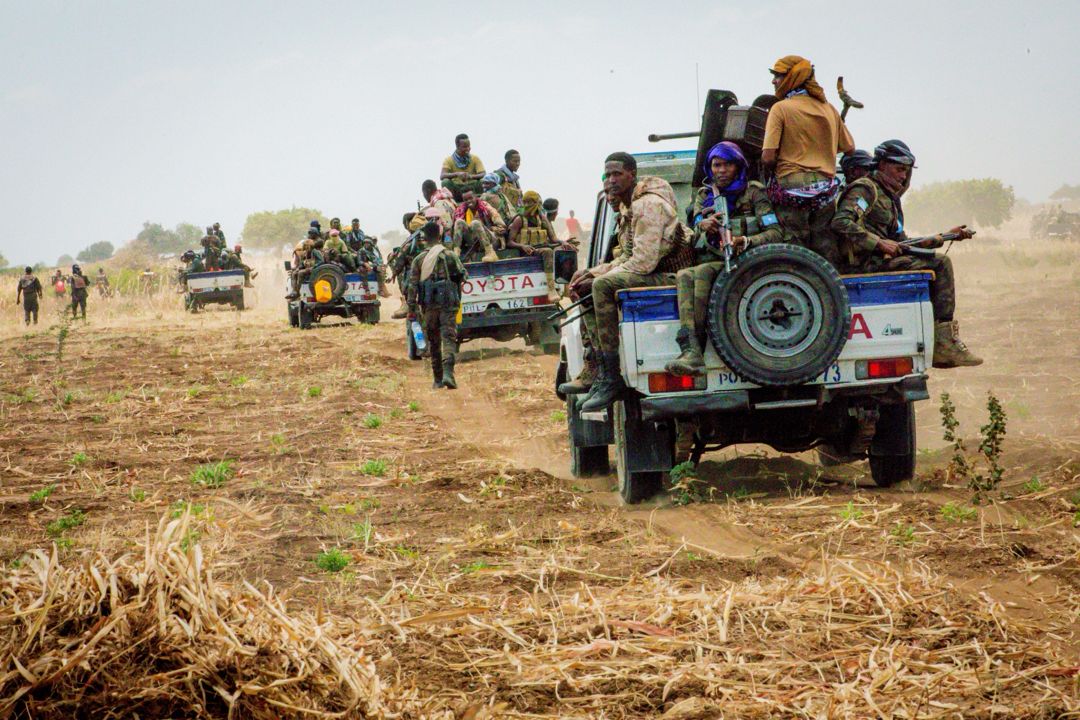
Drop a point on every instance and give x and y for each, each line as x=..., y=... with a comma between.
x=118, y=112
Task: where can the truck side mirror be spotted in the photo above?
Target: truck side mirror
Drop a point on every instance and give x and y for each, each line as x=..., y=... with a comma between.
x=288, y=266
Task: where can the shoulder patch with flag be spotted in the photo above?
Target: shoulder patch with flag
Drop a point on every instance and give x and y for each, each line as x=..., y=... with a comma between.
x=769, y=219
x=863, y=205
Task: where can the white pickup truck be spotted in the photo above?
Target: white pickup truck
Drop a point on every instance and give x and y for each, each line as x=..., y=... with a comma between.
x=217, y=287
x=331, y=290
x=798, y=357
x=507, y=298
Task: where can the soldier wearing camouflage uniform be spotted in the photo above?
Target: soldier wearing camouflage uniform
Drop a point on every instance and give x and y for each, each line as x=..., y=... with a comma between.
x=532, y=234
x=478, y=228
x=870, y=222
x=751, y=222
x=434, y=288
x=653, y=244
x=30, y=292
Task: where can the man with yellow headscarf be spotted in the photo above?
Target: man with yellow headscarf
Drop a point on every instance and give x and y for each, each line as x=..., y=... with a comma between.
x=803, y=135
x=532, y=234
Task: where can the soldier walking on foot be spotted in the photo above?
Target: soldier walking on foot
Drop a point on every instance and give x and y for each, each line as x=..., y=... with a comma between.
x=30, y=291
x=435, y=279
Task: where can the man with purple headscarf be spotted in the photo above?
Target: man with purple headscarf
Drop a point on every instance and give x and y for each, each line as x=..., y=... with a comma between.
x=751, y=221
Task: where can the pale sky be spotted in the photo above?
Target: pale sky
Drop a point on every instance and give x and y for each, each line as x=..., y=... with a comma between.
x=112, y=113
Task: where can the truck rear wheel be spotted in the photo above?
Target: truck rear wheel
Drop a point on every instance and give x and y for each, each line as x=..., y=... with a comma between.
x=780, y=317
x=238, y=303
x=892, y=452
x=304, y=317
x=634, y=486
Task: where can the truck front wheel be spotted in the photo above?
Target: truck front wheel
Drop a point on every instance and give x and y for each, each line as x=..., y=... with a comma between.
x=892, y=452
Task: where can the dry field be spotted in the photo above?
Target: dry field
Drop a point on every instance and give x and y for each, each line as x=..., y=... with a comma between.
x=215, y=516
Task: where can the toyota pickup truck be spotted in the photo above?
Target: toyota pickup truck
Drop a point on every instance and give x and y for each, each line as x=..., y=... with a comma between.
x=507, y=298
x=217, y=287
x=797, y=357
x=331, y=291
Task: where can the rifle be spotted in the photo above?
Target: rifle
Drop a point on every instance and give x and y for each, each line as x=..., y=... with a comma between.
x=849, y=102
x=587, y=300
x=911, y=245
x=720, y=209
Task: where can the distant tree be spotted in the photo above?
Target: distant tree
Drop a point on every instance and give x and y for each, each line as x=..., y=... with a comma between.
x=1066, y=192
x=272, y=229
x=3, y=261
x=98, y=251
x=188, y=235
x=939, y=206
x=65, y=260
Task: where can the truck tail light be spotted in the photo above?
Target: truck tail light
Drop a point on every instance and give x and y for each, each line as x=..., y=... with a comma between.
x=539, y=300
x=883, y=368
x=666, y=382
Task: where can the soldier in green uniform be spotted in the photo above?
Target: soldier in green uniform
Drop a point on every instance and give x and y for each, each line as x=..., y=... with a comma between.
x=462, y=170
x=751, y=222
x=80, y=291
x=855, y=165
x=30, y=292
x=870, y=223
x=219, y=234
x=435, y=279
x=494, y=196
x=337, y=250
x=532, y=234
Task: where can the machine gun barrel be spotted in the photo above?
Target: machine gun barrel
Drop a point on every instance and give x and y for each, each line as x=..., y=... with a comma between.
x=568, y=308
x=673, y=136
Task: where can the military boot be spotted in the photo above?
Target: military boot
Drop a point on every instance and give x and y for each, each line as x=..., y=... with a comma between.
x=448, y=380
x=609, y=387
x=437, y=372
x=949, y=350
x=584, y=379
x=690, y=361
x=489, y=252
x=402, y=312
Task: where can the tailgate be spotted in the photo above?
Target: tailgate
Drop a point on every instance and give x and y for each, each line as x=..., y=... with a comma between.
x=513, y=284
x=205, y=282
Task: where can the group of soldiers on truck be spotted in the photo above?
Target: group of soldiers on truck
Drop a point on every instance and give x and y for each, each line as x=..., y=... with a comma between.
x=352, y=249
x=216, y=255
x=473, y=216
x=856, y=224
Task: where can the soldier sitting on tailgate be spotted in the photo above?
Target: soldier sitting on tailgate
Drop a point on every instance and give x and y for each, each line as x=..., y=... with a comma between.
x=335, y=250
x=728, y=208
x=870, y=222
x=532, y=234
x=478, y=227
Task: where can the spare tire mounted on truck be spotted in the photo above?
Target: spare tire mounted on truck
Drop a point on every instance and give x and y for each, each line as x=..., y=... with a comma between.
x=780, y=317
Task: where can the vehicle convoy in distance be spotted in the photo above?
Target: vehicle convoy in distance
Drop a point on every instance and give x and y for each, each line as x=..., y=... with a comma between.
x=330, y=290
x=798, y=357
x=507, y=299
x=213, y=287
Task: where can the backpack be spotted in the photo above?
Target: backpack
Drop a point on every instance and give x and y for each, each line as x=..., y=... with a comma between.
x=60, y=287
x=78, y=282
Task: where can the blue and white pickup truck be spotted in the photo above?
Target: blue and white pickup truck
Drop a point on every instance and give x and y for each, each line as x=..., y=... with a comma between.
x=216, y=287
x=797, y=357
x=507, y=298
x=332, y=291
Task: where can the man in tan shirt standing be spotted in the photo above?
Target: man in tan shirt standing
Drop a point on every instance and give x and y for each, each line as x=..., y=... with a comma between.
x=803, y=135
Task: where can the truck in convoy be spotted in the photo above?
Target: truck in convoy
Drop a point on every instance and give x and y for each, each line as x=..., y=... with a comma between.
x=332, y=291
x=214, y=287
x=798, y=356
x=507, y=299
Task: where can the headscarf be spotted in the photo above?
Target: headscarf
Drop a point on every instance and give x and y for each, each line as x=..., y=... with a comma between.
x=441, y=194
x=511, y=176
x=798, y=75
x=531, y=202
x=335, y=232
x=730, y=152
x=462, y=161
x=491, y=179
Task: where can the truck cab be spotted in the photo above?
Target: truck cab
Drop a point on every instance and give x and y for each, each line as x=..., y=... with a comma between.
x=797, y=357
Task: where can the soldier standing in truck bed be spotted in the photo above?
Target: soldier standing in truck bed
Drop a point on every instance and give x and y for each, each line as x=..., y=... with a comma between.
x=870, y=223
x=802, y=137
x=434, y=290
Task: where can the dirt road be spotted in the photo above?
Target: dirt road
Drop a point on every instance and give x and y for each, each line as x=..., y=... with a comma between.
x=489, y=583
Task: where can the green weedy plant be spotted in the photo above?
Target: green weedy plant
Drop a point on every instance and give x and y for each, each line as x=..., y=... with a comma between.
x=332, y=560
x=954, y=512
x=903, y=534
x=993, y=435
x=39, y=496
x=374, y=467
x=850, y=513
x=79, y=459
x=959, y=467
x=372, y=421
x=314, y=391
x=213, y=475
x=58, y=527
x=685, y=484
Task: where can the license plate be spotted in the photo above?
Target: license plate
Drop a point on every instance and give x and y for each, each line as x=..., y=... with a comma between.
x=509, y=304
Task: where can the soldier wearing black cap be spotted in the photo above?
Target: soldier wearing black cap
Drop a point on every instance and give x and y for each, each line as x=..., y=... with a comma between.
x=856, y=164
x=30, y=292
x=870, y=223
